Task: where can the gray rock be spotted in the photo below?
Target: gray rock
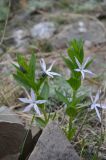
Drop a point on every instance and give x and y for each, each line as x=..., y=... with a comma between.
x=9, y=41
x=43, y=30
x=53, y=145
x=12, y=134
x=1, y=51
x=11, y=138
x=7, y=115
x=11, y=157
x=20, y=37
x=85, y=28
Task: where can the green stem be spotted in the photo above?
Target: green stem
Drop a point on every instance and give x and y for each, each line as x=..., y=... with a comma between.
x=70, y=123
x=44, y=113
x=22, y=147
x=74, y=95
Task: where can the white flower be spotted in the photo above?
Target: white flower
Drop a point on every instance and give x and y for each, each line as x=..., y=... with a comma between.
x=48, y=71
x=82, y=67
x=96, y=105
x=32, y=103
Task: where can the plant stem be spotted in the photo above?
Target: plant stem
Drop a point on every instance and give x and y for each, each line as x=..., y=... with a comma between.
x=79, y=130
x=22, y=147
x=6, y=22
x=74, y=95
x=44, y=113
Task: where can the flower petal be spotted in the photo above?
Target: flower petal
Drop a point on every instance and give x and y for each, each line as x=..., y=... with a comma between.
x=32, y=95
x=98, y=114
x=77, y=70
x=83, y=75
x=88, y=71
x=102, y=106
x=91, y=97
x=49, y=69
x=25, y=100
x=37, y=109
x=55, y=74
x=97, y=96
x=87, y=60
x=97, y=105
x=49, y=74
x=92, y=106
x=28, y=108
x=41, y=101
x=43, y=64
x=78, y=63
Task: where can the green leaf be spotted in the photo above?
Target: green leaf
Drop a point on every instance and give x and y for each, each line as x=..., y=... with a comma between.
x=21, y=80
x=69, y=63
x=74, y=83
x=71, y=111
x=62, y=98
x=32, y=65
x=40, y=122
x=88, y=64
x=25, y=80
x=76, y=50
x=71, y=133
x=45, y=90
x=40, y=82
x=22, y=62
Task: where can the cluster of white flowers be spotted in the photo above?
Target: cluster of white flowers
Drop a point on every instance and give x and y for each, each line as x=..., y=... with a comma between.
x=94, y=105
x=33, y=102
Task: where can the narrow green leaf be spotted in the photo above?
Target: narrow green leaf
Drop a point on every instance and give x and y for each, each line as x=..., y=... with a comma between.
x=74, y=83
x=40, y=122
x=62, y=98
x=76, y=50
x=22, y=62
x=88, y=64
x=71, y=133
x=45, y=90
x=40, y=82
x=21, y=81
x=71, y=111
x=69, y=63
x=32, y=65
x=25, y=80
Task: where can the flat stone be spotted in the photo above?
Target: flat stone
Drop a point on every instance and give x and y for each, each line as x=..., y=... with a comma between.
x=11, y=138
x=12, y=134
x=43, y=30
x=84, y=28
x=11, y=157
x=1, y=51
x=20, y=36
x=7, y=115
x=53, y=145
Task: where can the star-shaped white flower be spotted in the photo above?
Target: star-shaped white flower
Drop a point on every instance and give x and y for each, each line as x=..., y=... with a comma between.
x=32, y=103
x=82, y=69
x=48, y=71
x=95, y=105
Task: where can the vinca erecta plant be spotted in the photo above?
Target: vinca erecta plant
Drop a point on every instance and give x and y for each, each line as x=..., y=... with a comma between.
x=37, y=86
x=78, y=67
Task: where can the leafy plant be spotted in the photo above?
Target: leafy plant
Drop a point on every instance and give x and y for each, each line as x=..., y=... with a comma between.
x=26, y=76
x=73, y=102
x=78, y=68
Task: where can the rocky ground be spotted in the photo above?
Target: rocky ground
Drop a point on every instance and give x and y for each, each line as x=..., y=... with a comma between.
x=46, y=27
